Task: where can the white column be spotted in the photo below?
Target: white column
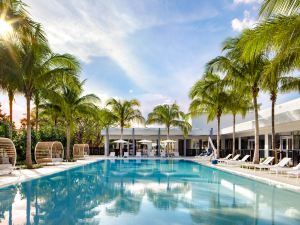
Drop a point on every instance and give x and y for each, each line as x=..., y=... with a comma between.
x=266, y=145
x=240, y=143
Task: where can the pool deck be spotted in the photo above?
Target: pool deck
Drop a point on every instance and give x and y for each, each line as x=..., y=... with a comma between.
x=280, y=181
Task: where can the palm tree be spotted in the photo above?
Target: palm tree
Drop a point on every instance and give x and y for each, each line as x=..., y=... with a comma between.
x=168, y=115
x=209, y=97
x=185, y=127
x=34, y=66
x=106, y=118
x=125, y=113
x=244, y=73
x=68, y=100
x=284, y=7
x=238, y=103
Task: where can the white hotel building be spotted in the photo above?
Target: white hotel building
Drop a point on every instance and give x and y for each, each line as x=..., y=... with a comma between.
x=287, y=120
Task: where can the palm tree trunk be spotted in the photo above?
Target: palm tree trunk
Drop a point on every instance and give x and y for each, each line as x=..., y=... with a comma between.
x=10, y=99
x=28, y=138
x=256, y=134
x=121, y=145
x=218, y=136
x=273, y=99
x=68, y=141
x=168, y=136
x=106, y=141
x=233, y=136
x=36, y=118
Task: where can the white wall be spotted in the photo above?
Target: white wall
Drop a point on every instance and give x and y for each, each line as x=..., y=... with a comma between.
x=226, y=121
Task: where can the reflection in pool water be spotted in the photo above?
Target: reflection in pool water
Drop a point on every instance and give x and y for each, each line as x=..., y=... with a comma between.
x=147, y=192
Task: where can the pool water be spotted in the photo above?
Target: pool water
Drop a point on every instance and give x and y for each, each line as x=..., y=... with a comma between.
x=142, y=192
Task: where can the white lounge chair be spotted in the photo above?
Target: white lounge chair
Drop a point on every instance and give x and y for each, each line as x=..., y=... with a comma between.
x=284, y=169
x=294, y=171
x=163, y=154
x=267, y=161
x=243, y=160
x=112, y=154
x=224, y=159
x=176, y=154
x=6, y=168
x=151, y=154
x=281, y=164
x=235, y=158
x=126, y=154
x=138, y=154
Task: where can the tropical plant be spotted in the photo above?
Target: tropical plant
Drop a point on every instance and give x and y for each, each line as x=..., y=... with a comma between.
x=285, y=7
x=248, y=74
x=168, y=115
x=68, y=100
x=184, y=124
x=185, y=127
x=209, y=97
x=14, y=14
x=107, y=119
x=238, y=103
x=124, y=113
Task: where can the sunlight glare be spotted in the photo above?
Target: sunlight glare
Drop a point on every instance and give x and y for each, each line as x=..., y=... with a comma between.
x=5, y=28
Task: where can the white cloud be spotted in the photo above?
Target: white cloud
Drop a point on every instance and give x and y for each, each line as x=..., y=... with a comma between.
x=246, y=22
x=246, y=1
x=90, y=29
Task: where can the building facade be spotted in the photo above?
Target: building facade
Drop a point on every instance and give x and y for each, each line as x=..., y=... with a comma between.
x=287, y=121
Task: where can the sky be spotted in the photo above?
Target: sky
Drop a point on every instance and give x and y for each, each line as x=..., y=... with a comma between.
x=151, y=50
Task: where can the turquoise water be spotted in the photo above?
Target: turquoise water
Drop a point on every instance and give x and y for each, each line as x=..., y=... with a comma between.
x=142, y=192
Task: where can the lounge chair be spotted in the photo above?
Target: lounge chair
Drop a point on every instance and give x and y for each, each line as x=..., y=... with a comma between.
x=5, y=166
x=294, y=171
x=284, y=169
x=224, y=159
x=138, y=154
x=163, y=154
x=235, y=158
x=243, y=160
x=176, y=154
x=151, y=154
x=267, y=161
x=126, y=154
x=112, y=154
x=281, y=164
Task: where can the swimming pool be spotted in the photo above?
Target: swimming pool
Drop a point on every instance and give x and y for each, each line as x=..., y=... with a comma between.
x=147, y=192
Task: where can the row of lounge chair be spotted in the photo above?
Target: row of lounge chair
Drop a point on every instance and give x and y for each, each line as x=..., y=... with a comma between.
x=139, y=154
x=280, y=167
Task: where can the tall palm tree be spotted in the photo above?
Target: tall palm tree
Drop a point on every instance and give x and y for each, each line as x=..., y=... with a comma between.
x=125, y=112
x=248, y=74
x=70, y=102
x=238, y=103
x=34, y=66
x=15, y=14
x=168, y=115
x=209, y=97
